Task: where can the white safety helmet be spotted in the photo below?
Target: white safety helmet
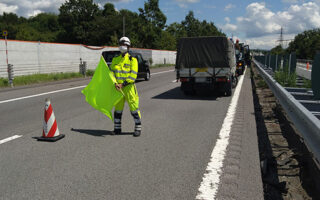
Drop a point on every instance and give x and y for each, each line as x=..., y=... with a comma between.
x=125, y=40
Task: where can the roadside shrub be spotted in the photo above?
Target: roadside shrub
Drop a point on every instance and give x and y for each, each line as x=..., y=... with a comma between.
x=90, y=72
x=284, y=78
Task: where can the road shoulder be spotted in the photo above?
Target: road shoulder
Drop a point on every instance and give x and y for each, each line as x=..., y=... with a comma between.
x=241, y=176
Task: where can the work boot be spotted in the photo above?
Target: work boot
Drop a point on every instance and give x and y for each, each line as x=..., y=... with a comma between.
x=136, y=133
x=137, y=130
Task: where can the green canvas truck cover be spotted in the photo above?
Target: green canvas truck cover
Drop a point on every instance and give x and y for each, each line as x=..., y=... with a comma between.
x=204, y=52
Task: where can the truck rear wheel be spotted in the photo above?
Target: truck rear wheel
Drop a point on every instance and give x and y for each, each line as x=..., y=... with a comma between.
x=147, y=76
x=234, y=81
x=228, y=89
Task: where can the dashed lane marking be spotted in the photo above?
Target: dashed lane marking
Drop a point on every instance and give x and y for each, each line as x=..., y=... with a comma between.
x=211, y=179
x=10, y=138
x=62, y=90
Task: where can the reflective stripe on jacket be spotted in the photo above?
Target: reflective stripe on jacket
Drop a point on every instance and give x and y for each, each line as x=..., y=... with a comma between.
x=125, y=69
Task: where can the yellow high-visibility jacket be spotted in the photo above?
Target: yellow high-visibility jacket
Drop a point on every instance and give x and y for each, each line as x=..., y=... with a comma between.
x=125, y=69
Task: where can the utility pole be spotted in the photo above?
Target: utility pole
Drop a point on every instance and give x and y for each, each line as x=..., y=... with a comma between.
x=281, y=38
x=124, y=25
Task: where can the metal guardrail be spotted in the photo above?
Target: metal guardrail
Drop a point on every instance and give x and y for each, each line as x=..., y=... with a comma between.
x=305, y=121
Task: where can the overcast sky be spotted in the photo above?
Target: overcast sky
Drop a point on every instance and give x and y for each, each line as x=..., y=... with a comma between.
x=257, y=23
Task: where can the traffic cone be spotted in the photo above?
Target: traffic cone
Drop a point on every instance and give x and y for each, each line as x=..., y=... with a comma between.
x=50, y=130
x=307, y=65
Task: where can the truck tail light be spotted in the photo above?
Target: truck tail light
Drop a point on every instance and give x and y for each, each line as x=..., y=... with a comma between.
x=221, y=79
x=184, y=79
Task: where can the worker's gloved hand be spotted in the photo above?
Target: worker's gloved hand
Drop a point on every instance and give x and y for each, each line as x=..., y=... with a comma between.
x=118, y=86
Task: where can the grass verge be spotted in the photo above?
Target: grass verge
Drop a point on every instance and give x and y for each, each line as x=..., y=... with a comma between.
x=38, y=78
x=284, y=78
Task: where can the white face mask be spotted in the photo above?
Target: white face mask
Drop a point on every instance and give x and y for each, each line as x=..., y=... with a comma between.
x=123, y=49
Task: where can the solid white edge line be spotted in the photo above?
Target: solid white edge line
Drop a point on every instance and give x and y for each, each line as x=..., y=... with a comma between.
x=211, y=179
x=10, y=138
x=62, y=90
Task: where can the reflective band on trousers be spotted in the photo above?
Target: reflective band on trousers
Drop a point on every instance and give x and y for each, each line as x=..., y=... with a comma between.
x=124, y=72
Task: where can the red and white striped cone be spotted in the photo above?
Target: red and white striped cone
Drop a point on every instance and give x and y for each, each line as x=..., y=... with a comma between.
x=50, y=128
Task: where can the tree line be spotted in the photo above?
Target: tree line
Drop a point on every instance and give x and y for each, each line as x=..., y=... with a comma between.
x=305, y=45
x=82, y=21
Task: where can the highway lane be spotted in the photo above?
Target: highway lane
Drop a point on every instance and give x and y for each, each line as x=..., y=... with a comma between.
x=166, y=162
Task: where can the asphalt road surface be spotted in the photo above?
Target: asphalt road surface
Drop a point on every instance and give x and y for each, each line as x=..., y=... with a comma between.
x=166, y=162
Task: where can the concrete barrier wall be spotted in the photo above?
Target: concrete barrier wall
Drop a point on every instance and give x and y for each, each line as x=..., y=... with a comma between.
x=41, y=57
x=302, y=70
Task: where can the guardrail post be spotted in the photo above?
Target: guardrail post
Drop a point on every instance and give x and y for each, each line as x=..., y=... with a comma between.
x=315, y=74
x=276, y=68
x=293, y=63
x=289, y=64
x=10, y=74
x=273, y=63
x=83, y=67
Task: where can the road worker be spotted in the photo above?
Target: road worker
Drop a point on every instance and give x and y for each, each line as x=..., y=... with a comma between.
x=125, y=69
x=237, y=48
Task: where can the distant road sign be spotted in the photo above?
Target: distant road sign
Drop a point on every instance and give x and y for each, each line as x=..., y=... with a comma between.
x=4, y=33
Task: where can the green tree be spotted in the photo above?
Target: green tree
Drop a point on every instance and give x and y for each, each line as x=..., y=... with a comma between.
x=177, y=30
x=150, y=23
x=109, y=10
x=277, y=50
x=77, y=18
x=11, y=22
x=167, y=41
x=153, y=14
x=196, y=28
x=305, y=44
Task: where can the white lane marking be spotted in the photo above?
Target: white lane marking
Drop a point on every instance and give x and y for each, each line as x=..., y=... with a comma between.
x=211, y=179
x=10, y=138
x=56, y=91
x=162, y=72
x=41, y=94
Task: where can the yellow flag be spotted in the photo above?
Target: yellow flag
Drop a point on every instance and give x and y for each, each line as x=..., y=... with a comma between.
x=101, y=93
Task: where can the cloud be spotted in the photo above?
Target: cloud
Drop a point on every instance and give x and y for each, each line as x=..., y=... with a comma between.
x=7, y=8
x=229, y=7
x=290, y=1
x=259, y=21
x=27, y=8
x=183, y=3
x=188, y=1
x=229, y=27
x=266, y=42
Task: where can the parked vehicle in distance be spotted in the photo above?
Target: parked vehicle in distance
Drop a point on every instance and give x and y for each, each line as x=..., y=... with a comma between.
x=206, y=63
x=244, y=59
x=143, y=65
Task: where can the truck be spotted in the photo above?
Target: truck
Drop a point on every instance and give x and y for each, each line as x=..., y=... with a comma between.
x=206, y=63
